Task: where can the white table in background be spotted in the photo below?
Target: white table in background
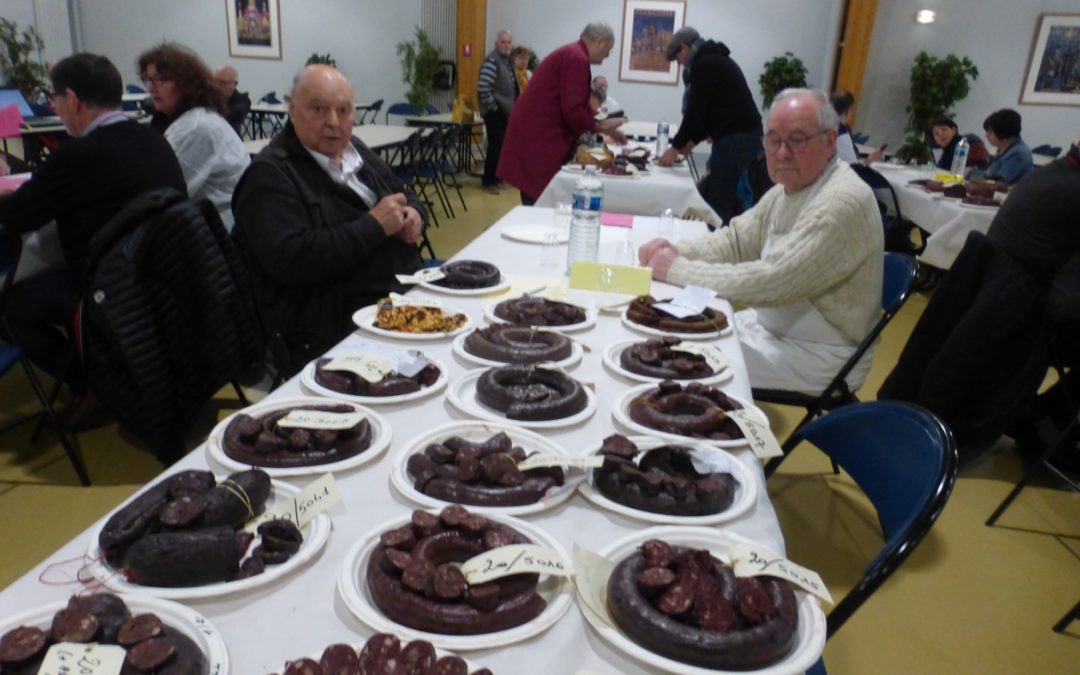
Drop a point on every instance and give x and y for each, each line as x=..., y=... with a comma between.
x=305, y=605
x=376, y=136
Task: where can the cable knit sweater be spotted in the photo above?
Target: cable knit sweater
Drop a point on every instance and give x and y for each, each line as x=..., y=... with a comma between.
x=832, y=254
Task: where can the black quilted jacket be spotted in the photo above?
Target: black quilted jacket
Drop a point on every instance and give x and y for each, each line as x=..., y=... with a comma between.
x=167, y=318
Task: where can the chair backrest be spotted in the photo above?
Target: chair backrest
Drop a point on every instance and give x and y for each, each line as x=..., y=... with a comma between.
x=369, y=113
x=1047, y=149
x=134, y=89
x=904, y=459
x=269, y=97
x=432, y=110
x=881, y=186
x=403, y=109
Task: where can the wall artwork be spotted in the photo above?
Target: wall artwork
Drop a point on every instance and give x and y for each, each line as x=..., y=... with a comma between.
x=254, y=28
x=647, y=28
x=1053, y=73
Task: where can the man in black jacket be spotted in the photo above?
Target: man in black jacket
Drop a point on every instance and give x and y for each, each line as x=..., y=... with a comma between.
x=237, y=103
x=108, y=161
x=323, y=222
x=720, y=107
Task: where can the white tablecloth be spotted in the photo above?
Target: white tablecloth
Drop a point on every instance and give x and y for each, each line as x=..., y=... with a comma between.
x=303, y=612
x=662, y=188
x=947, y=221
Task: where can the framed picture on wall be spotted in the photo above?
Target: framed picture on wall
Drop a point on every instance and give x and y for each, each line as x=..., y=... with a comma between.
x=647, y=28
x=254, y=28
x=1053, y=72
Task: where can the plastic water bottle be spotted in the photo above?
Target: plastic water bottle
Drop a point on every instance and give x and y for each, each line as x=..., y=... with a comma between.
x=959, y=158
x=661, y=137
x=585, y=218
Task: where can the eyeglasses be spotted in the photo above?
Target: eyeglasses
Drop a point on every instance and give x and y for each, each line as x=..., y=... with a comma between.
x=796, y=143
x=158, y=80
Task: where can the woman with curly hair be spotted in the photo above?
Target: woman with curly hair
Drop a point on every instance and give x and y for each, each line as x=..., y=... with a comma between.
x=188, y=110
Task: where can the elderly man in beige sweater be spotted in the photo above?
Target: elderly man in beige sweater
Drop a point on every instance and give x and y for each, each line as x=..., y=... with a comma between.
x=806, y=261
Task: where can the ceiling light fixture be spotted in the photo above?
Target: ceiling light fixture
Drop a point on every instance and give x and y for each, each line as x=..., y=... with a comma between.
x=925, y=16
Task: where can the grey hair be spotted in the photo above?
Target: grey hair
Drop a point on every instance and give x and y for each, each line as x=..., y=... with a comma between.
x=598, y=31
x=826, y=114
x=503, y=32
x=599, y=93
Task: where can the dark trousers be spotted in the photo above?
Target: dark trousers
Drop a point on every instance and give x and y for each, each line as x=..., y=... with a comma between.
x=730, y=156
x=34, y=311
x=495, y=123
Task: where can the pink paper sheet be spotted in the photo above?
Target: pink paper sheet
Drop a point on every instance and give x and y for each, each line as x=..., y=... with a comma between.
x=10, y=122
x=617, y=219
x=13, y=182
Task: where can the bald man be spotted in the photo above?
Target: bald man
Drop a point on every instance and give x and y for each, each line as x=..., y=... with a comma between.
x=237, y=103
x=323, y=222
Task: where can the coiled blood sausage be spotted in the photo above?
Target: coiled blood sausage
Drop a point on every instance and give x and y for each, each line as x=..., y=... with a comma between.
x=688, y=606
x=468, y=274
x=393, y=384
x=539, y=312
x=661, y=358
x=413, y=581
x=698, y=411
x=641, y=311
x=530, y=393
x=508, y=343
x=259, y=441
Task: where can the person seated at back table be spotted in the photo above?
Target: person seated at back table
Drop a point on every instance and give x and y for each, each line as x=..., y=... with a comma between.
x=188, y=111
x=322, y=221
x=807, y=259
x=843, y=103
x=947, y=137
x=108, y=161
x=1013, y=159
x=237, y=103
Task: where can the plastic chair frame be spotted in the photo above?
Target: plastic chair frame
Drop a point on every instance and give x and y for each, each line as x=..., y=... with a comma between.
x=904, y=459
x=369, y=114
x=900, y=272
x=10, y=252
x=403, y=109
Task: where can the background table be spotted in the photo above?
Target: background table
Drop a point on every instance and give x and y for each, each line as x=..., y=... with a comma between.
x=302, y=613
x=662, y=188
x=376, y=137
x=947, y=221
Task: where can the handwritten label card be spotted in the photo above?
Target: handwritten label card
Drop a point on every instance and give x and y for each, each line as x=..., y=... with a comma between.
x=716, y=359
x=314, y=499
x=514, y=559
x=70, y=658
x=320, y=419
x=399, y=300
x=540, y=460
x=690, y=301
x=368, y=366
x=752, y=561
x=426, y=274
x=591, y=574
x=757, y=434
x=408, y=362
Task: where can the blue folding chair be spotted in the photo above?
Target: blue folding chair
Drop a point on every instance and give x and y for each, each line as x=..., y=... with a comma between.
x=401, y=109
x=904, y=460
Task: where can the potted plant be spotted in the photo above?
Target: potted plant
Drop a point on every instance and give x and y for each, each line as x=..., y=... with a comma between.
x=17, y=51
x=779, y=74
x=419, y=65
x=937, y=84
x=321, y=58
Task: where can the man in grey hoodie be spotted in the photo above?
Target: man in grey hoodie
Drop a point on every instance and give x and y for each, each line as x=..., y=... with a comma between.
x=497, y=89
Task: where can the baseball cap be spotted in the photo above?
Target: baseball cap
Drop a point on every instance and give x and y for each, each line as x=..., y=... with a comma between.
x=684, y=36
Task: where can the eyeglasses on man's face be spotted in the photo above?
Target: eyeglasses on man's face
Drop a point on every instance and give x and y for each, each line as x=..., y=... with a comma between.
x=796, y=143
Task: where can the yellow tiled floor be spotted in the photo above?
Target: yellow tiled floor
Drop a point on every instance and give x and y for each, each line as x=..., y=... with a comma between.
x=971, y=599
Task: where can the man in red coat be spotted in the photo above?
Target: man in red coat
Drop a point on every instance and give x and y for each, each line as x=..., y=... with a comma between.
x=553, y=112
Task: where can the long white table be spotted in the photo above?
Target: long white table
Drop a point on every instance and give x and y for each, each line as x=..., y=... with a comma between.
x=948, y=221
x=662, y=188
x=375, y=136
x=303, y=612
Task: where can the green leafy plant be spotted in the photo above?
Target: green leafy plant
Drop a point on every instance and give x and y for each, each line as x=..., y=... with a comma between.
x=321, y=58
x=937, y=84
x=779, y=74
x=419, y=63
x=17, y=57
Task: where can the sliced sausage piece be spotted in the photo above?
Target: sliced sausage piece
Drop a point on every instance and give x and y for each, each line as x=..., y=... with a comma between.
x=417, y=657
x=139, y=628
x=21, y=644
x=74, y=625
x=150, y=654
x=340, y=659
x=304, y=667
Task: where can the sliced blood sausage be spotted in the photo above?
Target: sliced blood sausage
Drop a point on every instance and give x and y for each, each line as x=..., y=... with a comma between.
x=378, y=651
x=449, y=665
x=304, y=667
x=150, y=654
x=139, y=628
x=449, y=582
x=21, y=644
x=417, y=657
x=340, y=659
x=74, y=625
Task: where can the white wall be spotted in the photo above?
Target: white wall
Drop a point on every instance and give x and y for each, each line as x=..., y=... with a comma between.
x=48, y=17
x=995, y=34
x=755, y=32
x=361, y=35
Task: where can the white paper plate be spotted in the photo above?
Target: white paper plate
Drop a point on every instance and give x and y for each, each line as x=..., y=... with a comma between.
x=481, y=431
x=307, y=379
x=504, y=283
x=380, y=439
x=980, y=207
x=352, y=586
x=458, y=347
x=316, y=532
x=184, y=619
x=589, y=322
x=648, y=330
x=620, y=411
x=611, y=360
x=810, y=640
x=365, y=319
x=534, y=234
x=462, y=395
x=745, y=493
